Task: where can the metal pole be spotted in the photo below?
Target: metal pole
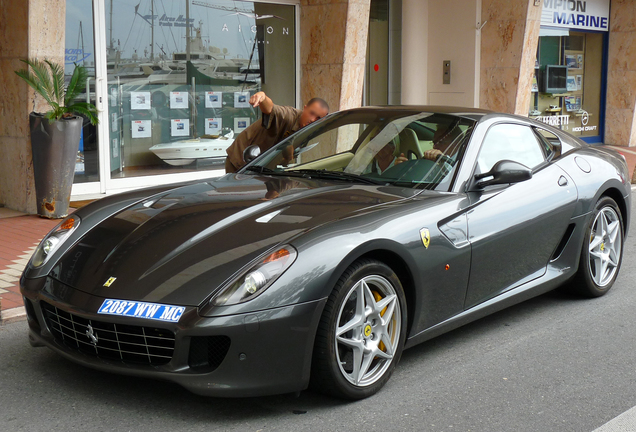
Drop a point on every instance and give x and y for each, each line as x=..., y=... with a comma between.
x=110, y=40
x=188, y=30
x=152, y=30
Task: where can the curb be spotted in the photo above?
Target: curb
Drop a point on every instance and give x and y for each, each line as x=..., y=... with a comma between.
x=12, y=315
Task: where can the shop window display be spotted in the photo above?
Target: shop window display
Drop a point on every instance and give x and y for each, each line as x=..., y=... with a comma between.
x=566, y=87
x=180, y=75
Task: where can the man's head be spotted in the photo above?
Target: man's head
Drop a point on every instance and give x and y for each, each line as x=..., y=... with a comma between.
x=315, y=109
x=386, y=152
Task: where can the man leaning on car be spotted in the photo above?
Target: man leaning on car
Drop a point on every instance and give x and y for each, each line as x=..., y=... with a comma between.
x=277, y=123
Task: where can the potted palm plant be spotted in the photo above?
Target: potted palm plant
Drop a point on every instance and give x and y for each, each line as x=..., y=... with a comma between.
x=55, y=134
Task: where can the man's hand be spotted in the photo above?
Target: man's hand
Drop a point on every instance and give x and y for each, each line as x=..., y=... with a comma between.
x=432, y=154
x=401, y=158
x=262, y=101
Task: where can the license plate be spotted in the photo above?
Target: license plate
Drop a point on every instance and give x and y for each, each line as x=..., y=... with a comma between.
x=135, y=309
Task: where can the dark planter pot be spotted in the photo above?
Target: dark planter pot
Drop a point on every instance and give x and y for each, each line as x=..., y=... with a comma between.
x=54, y=146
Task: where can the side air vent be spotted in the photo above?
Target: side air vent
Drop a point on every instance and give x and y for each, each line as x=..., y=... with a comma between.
x=207, y=352
x=564, y=241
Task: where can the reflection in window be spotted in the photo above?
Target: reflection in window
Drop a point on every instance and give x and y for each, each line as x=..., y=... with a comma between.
x=509, y=142
x=180, y=76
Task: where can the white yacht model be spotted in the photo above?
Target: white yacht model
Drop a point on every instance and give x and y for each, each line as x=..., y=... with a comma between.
x=185, y=152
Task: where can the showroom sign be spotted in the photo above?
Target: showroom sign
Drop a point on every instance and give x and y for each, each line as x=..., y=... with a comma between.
x=576, y=14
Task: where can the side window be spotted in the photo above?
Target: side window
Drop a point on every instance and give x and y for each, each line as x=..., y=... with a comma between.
x=510, y=142
x=551, y=142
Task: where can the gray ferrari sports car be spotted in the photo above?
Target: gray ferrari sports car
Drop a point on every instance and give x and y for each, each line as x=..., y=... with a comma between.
x=363, y=234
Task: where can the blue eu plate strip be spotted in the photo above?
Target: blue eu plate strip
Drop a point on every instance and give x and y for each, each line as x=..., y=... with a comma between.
x=135, y=309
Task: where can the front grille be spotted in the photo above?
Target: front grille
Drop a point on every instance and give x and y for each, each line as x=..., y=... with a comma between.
x=125, y=343
x=207, y=352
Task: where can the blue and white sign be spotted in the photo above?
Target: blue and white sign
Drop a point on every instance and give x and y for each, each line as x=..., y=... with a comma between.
x=576, y=14
x=72, y=56
x=135, y=309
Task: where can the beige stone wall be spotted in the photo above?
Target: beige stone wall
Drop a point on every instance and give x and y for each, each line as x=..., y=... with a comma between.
x=33, y=29
x=620, y=114
x=508, y=48
x=333, y=45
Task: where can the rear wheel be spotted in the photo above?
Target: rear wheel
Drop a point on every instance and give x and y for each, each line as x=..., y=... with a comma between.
x=361, y=333
x=602, y=251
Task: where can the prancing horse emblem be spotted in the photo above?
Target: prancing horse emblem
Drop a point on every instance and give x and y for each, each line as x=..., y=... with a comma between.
x=110, y=281
x=90, y=333
x=426, y=237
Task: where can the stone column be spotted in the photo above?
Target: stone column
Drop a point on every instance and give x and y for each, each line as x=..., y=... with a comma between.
x=30, y=29
x=620, y=114
x=415, y=52
x=509, y=43
x=333, y=45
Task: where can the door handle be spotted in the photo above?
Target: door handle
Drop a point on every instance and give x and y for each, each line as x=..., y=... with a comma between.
x=563, y=181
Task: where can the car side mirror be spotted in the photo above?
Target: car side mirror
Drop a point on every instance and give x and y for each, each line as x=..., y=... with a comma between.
x=251, y=153
x=504, y=172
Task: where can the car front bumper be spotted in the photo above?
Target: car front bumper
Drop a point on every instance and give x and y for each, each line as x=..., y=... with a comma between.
x=269, y=351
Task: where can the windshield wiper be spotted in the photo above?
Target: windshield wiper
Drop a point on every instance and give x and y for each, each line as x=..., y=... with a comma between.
x=338, y=175
x=261, y=169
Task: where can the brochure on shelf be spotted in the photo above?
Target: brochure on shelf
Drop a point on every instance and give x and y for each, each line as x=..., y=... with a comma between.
x=242, y=99
x=213, y=99
x=139, y=100
x=213, y=125
x=141, y=129
x=180, y=127
x=178, y=100
x=240, y=124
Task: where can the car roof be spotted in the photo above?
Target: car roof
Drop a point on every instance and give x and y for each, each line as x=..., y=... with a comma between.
x=472, y=113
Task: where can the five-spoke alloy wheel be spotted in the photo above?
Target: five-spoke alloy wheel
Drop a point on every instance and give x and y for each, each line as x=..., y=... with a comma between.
x=361, y=333
x=602, y=251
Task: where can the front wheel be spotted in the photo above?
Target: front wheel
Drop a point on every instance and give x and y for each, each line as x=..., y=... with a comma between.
x=361, y=333
x=602, y=251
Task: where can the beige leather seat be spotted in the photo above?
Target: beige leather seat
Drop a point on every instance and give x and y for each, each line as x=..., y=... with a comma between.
x=408, y=144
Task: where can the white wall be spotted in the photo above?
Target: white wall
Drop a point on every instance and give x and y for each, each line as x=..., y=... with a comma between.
x=434, y=31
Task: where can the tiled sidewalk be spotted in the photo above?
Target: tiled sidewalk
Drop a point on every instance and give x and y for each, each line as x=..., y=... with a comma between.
x=19, y=236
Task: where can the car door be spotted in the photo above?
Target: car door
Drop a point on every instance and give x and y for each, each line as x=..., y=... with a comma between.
x=515, y=229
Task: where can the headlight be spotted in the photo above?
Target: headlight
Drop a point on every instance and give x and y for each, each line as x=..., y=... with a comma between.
x=53, y=240
x=256, y=280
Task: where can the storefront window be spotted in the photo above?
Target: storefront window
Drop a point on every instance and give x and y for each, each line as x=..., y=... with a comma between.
x=568, y=80
x=80, y=50
x=180, y=76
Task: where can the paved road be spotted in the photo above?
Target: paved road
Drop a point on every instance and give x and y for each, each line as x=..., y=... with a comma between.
x=554, y=363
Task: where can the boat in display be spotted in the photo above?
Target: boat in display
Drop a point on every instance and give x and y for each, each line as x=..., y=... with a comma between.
x=185, y=152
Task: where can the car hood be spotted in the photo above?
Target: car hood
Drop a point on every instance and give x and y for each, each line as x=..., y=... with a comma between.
x=179, y=246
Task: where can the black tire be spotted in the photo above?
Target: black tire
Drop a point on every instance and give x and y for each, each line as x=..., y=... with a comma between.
x=331, y=360
x=584, y=283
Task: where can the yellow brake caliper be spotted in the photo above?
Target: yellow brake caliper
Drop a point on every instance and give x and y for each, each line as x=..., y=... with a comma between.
x=378, y=297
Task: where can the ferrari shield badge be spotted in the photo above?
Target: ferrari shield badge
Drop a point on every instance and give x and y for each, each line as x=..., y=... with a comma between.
x=111, y=279
x=426, y=237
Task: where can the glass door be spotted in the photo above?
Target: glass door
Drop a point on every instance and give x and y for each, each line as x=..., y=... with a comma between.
x=80, y=50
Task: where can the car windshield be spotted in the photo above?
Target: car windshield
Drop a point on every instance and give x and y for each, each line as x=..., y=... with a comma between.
x=403, y=148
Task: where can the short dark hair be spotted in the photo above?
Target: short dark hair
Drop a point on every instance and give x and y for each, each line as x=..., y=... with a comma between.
x=323, y=103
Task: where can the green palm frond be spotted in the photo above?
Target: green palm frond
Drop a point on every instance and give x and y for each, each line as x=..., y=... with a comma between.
x=85, y=108
x=57, y=74
x=35, y=82
x=47, y=79
x=76, y=85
